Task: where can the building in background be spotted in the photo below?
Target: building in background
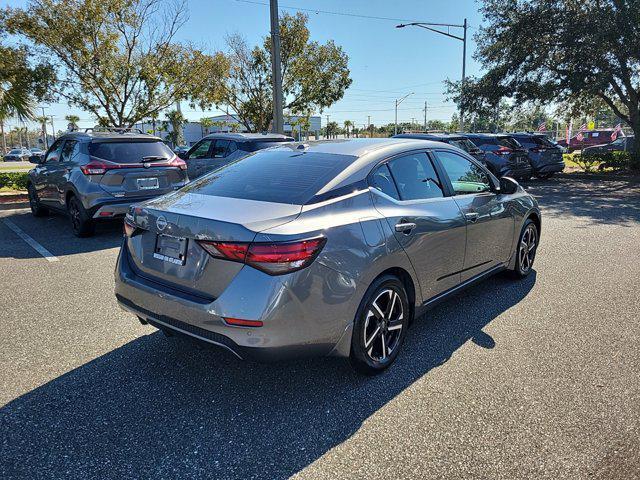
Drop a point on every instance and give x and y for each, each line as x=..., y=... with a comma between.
x=194, y=131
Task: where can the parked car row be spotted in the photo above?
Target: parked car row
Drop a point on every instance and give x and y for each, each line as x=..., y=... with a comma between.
x=517, y=155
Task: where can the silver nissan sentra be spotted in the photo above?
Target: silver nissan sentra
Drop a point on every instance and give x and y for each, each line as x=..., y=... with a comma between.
x=327, y=248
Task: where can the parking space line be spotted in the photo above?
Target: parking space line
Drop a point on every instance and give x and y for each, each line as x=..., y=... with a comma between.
x=50, y=257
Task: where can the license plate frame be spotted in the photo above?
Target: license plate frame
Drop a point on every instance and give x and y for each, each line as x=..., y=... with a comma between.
x=148, y=183
x=169, y=248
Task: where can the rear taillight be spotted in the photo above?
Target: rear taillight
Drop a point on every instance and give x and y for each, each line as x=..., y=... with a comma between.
x=97, y=167
x=272, y=258
x=178, y=162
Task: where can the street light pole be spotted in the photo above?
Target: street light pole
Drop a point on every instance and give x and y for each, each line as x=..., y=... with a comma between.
x=463, y=39
x=398, y=102
x=276, y=69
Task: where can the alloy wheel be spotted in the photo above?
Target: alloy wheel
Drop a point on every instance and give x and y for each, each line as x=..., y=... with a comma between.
x=74, y=213
x=527, y=250
x=383, y=325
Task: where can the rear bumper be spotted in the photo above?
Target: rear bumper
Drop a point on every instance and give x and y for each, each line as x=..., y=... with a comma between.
x=517, y=172
x=551, y=168
x=112, y=210
x=293, y=327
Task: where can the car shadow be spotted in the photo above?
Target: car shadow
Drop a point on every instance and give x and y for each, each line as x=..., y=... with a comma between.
x=599, y=200
x=54, y=233
x=159, y=407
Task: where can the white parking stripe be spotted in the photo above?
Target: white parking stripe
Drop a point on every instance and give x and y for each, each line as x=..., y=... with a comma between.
x=50, y=257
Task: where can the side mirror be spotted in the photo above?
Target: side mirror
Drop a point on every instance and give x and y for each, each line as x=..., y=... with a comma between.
x=37, y=159
x=508, y=185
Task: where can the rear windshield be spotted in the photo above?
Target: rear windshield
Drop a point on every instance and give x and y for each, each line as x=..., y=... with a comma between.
x=259, y=145
x=464, y=144
x=509, y=143
x=535, y=142
x=129, y=152
x=280, y=176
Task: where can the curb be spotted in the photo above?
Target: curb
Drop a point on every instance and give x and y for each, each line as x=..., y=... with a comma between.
x=10, y=200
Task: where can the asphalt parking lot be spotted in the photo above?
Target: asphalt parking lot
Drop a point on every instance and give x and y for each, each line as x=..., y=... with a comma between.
x=537, y=379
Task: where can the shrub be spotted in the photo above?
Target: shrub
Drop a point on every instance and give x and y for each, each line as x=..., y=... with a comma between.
x=14, y=180
x=587, y=163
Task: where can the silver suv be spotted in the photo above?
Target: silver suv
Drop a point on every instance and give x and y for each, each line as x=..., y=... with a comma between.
x=327, y=248
x=96, y=175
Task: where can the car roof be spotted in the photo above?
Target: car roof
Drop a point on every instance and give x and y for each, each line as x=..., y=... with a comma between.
x=91, y=134
x=431, y=136
x=244, y=137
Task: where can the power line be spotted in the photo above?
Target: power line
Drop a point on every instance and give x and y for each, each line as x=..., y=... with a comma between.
x=329, y=12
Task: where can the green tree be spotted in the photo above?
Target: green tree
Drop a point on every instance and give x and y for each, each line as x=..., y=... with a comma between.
x=73, y=121
x=173, y=126
x=118, y=59
x=21, y=85
x=558, y=50
x=314, y=75
x=348, y=125
x=206, y=123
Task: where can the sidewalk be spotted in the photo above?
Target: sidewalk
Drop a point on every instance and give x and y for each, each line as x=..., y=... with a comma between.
x=14, y=199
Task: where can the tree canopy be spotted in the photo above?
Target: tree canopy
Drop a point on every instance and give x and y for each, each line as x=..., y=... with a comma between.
x=314, y=75
x=558, y=51
x=118, y=59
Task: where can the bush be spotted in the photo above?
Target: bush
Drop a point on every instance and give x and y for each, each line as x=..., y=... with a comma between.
x=587, y=163
x=14, y=180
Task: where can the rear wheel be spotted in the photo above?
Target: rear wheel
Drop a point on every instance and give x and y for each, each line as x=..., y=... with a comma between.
x=526, y=249
x=81, y=223
x=380, y=326
x=37, y=210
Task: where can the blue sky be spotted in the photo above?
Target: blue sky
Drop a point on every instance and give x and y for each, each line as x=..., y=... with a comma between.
x=385, y=62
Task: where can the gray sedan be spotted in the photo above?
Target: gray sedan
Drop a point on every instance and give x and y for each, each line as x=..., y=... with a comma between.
x=330, y=248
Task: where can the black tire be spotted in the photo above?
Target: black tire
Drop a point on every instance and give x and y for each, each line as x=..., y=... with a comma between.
x=81, y=222
x=544, y=176
x=377, y=339
x=37, y=210
x=528, y=240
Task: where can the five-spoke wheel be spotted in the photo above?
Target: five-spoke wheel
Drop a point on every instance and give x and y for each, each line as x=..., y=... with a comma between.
x=526, y=250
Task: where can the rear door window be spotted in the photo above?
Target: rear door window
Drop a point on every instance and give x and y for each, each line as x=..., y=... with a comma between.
x=415, y=177
x=220, y=149
x=69, y=150
x=130, y=152
x=381, y=180
x=282, y=176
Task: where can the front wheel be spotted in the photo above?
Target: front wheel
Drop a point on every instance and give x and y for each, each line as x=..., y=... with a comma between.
x=380, y=326
x=526, y=249
x=81, y=223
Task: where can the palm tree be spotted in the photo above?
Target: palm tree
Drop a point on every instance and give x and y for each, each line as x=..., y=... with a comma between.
x=73, y=121
x=15, y=101
x=42, y=120
x=348, y=124
x=176, y=120
x=206, y=123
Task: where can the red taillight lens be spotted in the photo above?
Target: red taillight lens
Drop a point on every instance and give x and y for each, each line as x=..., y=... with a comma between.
x=239, y=322
x=503, y=151
x=97, y=167
x=178, y=162
x=272, y=258
x=129, y=227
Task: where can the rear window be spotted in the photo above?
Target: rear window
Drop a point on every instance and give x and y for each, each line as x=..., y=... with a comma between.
x=280, y=176
x=534, y=142
x=15, y=152
x=464, y=144
x=129, y=152
x=509, y=143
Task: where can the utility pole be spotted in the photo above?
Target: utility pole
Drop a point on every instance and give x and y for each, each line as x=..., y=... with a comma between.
x=463, y=39
x=26, y=133
x=44, y=130
x=369, y=125
x=276, y=69
x=398, y=102
x=425, y=115
x=326, y=129
x=53, y=130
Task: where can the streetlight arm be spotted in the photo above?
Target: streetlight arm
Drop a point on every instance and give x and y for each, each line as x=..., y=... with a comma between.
x=427, y=26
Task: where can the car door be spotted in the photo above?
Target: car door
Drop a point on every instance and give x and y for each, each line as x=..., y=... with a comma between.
x=196, y=157
x=490, y=222
x=59, y=173
x=44, y=169
x=425, y=221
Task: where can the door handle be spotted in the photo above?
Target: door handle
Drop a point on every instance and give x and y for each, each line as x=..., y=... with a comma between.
x=405, y=227
x=471, y=216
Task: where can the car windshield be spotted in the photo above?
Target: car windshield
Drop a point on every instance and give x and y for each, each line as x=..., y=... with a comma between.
x=280, y=176
x=464, y=144
x=129, y=152
x=259, y=145
x=15, y=152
